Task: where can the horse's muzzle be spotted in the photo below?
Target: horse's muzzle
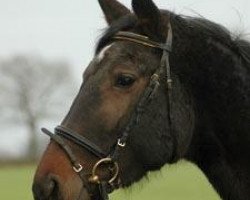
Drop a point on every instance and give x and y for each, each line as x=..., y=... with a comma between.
x=47, y=188
x=50, y=188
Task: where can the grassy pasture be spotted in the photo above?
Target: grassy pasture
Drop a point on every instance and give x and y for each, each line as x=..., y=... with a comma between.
x=178, y=182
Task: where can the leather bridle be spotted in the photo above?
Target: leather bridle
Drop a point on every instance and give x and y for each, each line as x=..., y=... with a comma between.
x=110, y=158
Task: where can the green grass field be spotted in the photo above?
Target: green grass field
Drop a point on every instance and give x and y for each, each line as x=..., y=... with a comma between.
x=178, y=182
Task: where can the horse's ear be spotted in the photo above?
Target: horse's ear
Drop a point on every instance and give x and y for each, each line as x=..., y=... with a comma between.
x=113, y=10
x=149, y=16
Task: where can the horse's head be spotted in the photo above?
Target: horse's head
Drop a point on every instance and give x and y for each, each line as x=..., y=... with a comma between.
x=121, y=112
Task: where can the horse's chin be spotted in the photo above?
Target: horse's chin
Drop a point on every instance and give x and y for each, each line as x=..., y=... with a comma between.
x=84, y=195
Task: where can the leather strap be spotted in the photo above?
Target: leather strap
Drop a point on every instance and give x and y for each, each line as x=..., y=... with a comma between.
x=63, y=145
x=141, y=39
x=81, y=141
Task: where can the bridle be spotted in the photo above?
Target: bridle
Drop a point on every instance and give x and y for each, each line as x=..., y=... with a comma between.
x=109, y=159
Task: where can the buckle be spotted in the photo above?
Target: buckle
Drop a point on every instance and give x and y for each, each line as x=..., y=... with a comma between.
x=77, y=168
x=120, y=143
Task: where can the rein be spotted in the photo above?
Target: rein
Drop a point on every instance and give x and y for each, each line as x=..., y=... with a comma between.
x=111, y=158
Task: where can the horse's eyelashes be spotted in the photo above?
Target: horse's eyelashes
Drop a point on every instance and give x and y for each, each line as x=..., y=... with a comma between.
x=124, y=80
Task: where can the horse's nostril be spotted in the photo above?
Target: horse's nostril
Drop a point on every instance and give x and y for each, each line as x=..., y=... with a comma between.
x=44, y=189
x=51, y=186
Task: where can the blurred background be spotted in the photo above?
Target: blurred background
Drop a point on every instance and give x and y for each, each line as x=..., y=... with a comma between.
x=44, y=48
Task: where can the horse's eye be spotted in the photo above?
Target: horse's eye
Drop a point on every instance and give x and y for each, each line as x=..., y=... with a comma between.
x=124, y=80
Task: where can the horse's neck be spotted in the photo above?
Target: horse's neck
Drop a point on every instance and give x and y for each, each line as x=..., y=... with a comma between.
x=229, y=177
x=221, y=144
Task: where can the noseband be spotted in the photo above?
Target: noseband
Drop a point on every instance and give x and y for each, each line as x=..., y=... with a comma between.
x=110, y=158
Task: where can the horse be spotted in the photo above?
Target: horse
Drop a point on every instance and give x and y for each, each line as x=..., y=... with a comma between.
x=160, y=88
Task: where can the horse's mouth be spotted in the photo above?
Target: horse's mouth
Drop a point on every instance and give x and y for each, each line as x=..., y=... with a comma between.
x=84, y=194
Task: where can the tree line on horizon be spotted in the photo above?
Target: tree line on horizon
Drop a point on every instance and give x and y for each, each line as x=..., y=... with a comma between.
x=33, y=89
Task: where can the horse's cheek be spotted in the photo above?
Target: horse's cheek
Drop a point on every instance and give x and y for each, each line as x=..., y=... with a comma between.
x=113, y=107
x=116, y=104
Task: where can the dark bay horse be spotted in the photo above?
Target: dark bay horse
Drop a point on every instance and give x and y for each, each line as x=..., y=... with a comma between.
x=161, y=88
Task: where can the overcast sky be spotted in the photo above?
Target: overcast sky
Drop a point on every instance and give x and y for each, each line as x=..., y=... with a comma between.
x=69, y=29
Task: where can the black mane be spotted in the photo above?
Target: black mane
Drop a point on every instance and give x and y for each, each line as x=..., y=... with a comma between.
x=123, y=24
x=221, y=34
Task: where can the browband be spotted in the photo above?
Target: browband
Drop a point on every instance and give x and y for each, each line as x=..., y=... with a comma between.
x=144, y=40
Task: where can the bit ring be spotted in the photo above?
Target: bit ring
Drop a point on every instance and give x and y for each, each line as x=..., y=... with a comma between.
x=95, y=178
